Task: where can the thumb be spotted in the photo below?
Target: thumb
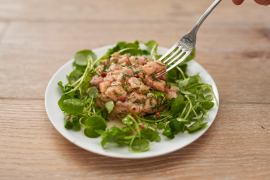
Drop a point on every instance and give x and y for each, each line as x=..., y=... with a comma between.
x=238, y=2
x=263, y=2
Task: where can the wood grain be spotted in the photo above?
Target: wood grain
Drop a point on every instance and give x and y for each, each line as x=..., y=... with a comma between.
x=233, y=62
x=37, y=37
x=125, y=11
x=2, y=29
x=235, y=147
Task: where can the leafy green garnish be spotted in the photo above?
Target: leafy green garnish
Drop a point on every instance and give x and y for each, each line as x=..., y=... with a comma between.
x=75, y=74
x=140, y=145
x=109, y=106
x=128, y=121
x=178, y=104
x=120, y=136
x=72, y=122
x=152, y=47
x=196, y=126
x=161, y=96
x=92, y=92
x=72, y=106
x=132, y=48
x=82, y=57
x=135, y=134
x=92, y=124
x=150, y=134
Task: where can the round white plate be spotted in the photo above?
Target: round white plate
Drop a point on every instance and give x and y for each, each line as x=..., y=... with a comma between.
x=56, y=116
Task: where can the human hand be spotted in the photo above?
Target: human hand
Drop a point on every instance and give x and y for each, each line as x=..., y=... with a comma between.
x=262, y=2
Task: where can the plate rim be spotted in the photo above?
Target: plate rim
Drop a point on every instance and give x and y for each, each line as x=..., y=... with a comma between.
x=107, y=154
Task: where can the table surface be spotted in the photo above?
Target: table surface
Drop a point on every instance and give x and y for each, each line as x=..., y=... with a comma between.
x=37, y=37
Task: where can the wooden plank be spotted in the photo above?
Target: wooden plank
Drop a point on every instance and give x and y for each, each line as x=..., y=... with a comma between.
x=3, y=26
x=235, y=147
x=31, y=52
x=37, y=37
x=128, y=10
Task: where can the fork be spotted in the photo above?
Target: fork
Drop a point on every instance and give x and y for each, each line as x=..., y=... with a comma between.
x=183, y=48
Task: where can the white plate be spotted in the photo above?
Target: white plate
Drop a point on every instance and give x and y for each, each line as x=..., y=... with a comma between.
x=165, y=146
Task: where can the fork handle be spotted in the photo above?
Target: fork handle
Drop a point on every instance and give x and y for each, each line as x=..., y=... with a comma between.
x=204, y=16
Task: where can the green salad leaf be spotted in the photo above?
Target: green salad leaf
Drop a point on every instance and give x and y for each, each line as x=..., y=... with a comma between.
x=81, y=57
x=72, y=122
x=140, y=145
x=150, y=134
x=92, y=124
x=178, y=105
x=132, y=48
x=196, y=126
x=152, y=47
x=116, y=135
x=92, y=92
x=72, y=106
x=109, y=106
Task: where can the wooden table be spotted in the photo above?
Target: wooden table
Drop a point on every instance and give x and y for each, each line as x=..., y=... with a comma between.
x=37, y=37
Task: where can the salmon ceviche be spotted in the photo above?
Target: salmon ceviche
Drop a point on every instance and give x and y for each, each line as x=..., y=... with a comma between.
x=126, y=98
x=130, y=82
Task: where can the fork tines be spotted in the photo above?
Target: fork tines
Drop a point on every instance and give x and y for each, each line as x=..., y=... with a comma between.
x=174, y=56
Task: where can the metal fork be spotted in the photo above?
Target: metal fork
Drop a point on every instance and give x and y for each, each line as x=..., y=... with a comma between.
x=183, y=48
